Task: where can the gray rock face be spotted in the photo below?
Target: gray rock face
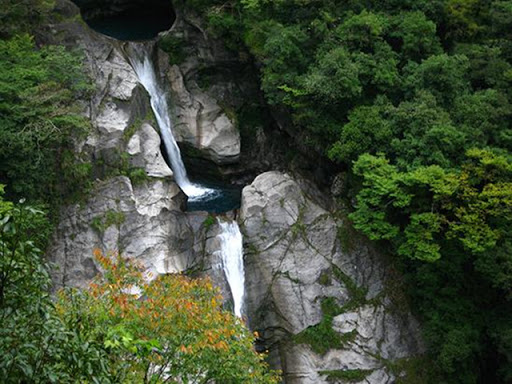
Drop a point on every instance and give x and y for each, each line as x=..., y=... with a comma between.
x=201, y=122
x=120, y=100
x=294, y=262
x=146, y=220
x=143, y=222
x=119, y=104
x=144, y=147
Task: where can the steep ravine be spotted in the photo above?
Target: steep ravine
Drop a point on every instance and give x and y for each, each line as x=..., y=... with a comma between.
x=301, y=274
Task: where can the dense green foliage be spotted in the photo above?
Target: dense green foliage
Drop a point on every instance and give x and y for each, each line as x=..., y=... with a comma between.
x=38, y=119
x=21, y=16
x=39, y=113
x=349, y=376
x=36, y=346
x=39, y=87
x=413, y=99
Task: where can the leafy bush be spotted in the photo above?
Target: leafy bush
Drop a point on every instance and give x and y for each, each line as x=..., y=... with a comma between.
x=35, y=345
x=20, y=16
x=174, y=47
x=165, y=327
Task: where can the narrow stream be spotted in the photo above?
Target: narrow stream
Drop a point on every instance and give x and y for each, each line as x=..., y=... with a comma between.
x=230, y=237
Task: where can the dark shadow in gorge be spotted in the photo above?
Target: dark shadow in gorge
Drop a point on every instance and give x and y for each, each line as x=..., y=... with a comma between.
x=128, y=20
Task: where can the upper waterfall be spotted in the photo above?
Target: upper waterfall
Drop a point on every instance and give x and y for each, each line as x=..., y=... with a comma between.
x=139, y=57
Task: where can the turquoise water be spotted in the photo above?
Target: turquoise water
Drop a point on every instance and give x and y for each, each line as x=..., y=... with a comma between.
x=225, y=198
x=133, y=25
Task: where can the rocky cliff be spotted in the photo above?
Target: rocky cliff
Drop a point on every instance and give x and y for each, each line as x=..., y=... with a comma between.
x=135, y=207
x=319, y=296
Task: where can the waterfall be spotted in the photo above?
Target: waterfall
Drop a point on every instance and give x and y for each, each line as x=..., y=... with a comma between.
x=145, y=71
x=231, y=252
x=231, y=249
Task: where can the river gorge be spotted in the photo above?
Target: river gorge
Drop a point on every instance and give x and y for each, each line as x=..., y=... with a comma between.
x=220, y=196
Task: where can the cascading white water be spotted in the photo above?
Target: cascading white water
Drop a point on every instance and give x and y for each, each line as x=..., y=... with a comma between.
x=145, y=71
x=230, y=238
x=232, y=261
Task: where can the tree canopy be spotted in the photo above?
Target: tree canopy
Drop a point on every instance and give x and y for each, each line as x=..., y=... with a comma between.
x=162, y=329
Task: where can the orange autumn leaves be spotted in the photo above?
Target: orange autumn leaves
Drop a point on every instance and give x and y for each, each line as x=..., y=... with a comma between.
x=167, y=327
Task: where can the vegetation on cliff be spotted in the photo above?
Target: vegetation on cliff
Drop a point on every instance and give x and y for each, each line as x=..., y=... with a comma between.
x=412, y=98
x=40, y=87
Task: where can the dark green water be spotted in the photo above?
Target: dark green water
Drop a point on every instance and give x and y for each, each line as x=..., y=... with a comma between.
x=223, y=199
x=133, y=25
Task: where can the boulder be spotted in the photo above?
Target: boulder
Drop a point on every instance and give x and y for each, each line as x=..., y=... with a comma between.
x=296, y=264
x=144, y=148
x=201, y=122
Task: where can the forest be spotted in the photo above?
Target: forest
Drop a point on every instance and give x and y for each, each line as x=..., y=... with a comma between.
x=410, y=99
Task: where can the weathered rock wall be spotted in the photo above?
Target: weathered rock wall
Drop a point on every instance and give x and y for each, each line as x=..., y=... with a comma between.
x=135, y=207
x=219, y=112
x=319, y=298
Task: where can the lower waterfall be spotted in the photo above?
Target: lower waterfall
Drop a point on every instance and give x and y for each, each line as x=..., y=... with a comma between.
x=232, y=261
x=231, y=247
